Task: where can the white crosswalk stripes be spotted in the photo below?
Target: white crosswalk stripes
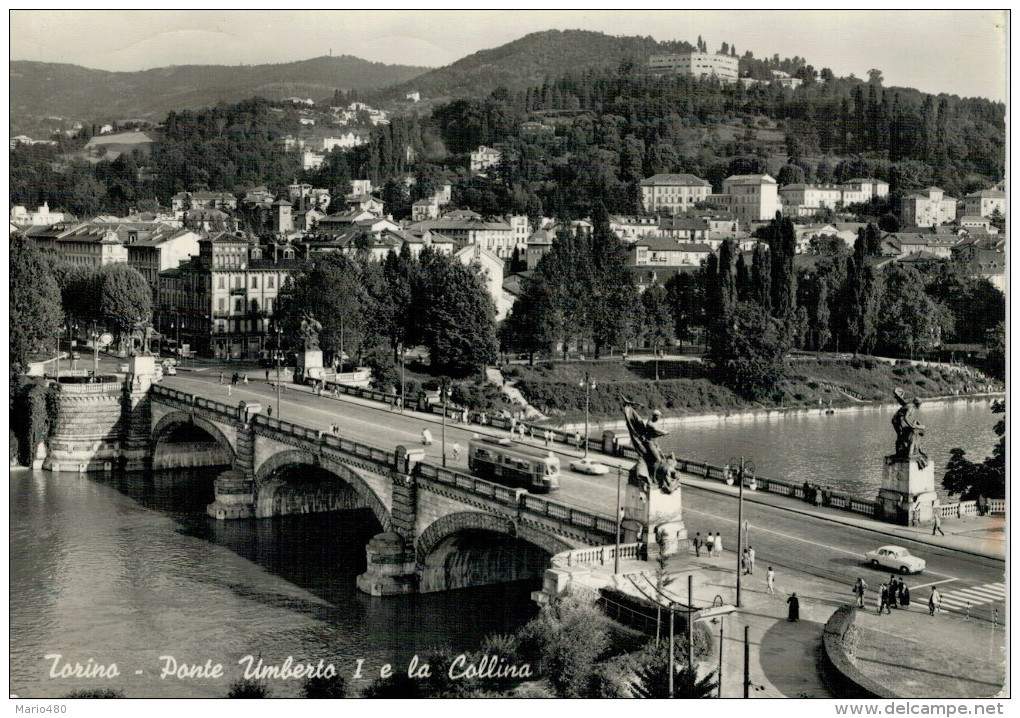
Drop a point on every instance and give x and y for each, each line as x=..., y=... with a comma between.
x=974, y=596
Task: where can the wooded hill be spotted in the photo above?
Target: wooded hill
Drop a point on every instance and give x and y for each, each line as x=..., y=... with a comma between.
x=40, y=89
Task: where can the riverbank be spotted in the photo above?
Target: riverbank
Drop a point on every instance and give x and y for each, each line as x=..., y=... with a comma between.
x=601, y=424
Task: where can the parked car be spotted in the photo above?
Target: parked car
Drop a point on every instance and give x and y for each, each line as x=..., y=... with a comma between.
x=896, y=558
x=587, y=466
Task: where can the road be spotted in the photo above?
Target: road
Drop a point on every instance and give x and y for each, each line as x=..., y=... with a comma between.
x=782, y=538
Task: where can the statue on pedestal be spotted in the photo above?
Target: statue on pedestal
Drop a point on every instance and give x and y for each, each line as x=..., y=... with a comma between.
x=310, y=329
x=652, y=464
x=908, y=430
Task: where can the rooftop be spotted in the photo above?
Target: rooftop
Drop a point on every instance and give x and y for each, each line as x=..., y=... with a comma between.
x=684, y=180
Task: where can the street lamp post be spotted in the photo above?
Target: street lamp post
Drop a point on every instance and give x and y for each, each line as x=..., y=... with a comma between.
x=279, y=336
x=95, y=346
x=619, y=520
x=401, y=377
x=445, y=388
x=588, y=385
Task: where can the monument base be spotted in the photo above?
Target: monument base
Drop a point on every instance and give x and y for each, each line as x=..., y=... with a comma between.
x=907, y=496
x=310, y=365
x=661, y=515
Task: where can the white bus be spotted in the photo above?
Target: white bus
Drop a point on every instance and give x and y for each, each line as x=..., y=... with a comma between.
x=512, y=464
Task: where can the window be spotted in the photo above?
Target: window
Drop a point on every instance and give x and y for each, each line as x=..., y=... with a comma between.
x=220, y=282
x=238, y=305
x=222, y=304
x=254, y=281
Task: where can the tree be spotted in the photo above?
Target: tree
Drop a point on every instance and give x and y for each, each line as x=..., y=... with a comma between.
x=35, y=315
x=761, y=276
x=458, y=322
x=332, y=291
x=652, y=672
x=749, y=353
x=909, y=321
x=987, y=478
x=567, y=638
x=125, y=298
x=656, y=321
x=822, y=317
x=614, y=299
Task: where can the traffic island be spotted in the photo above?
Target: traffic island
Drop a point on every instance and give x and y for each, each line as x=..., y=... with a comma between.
x=910, y=654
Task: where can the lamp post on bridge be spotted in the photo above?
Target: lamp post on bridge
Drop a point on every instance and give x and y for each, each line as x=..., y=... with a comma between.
x=278, y=330
x=588, y=385
x=444, y=387
x=619, y=520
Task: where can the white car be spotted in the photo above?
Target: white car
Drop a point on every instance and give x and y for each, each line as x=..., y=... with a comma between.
x=896, y=558
x=587, y=466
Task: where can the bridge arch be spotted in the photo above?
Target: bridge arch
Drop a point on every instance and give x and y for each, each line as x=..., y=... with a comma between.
x=295, y=458
x=174, y=421
x=469, y=548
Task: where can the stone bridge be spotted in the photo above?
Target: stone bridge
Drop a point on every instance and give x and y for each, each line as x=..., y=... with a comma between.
x=440, y=529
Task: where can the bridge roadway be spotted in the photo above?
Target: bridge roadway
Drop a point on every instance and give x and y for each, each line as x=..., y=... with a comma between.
x=784, y=538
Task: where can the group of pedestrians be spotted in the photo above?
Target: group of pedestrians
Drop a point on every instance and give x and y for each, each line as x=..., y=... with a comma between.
x=892, y=594
x=712, y=544
x=747, y=561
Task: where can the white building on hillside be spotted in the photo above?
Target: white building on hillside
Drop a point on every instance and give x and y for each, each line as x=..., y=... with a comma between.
x=673, y=193
x=697, y=64
x=749, y=198
x=927, y=208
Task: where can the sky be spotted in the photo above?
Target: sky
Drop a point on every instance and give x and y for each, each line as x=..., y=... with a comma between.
x=959, y=52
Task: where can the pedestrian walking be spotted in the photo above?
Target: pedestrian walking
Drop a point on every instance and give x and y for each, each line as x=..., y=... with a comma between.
x=904, y=595
x=718, y=544
x=426, y=437
x=269, y=411
x=937, y=526
x=883, y=599
x=577, y=439
x=513, y=425
x=750, y=559
x=246, y=380
x=697, y=544
x=859, y=588
x=230, y=389
x=456, y=451
x=793, y=614
x=710, y=544
x=548, y=437
x=934, y=602
x=770, y=580
x=743, y=563
x=267, y=376
x=521, y=429
x=220, y=379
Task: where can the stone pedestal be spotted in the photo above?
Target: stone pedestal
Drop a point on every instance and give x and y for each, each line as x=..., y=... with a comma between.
x=235, y=497
x=310, y=364
x=907, y=496
x=659, y=512
x=391, y=566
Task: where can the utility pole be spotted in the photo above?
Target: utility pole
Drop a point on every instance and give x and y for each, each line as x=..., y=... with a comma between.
x=619, y=520
x=718, y=693
x=401, y=376
x=747, y=662
x=690, y=621
x=740, y=524
x=672, y=670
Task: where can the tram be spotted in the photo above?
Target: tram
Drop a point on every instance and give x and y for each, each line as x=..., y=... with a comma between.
x=513, y=464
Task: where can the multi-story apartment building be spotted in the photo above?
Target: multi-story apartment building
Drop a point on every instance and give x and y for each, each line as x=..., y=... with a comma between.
x=673, y=193
x=666, y=252
x=696, y=64
x=221, y=301
x=484, y=157
x=927, y=208
x=984, y=203
x=498, y=237
x=630, y=228
x=749, y=198
x=81, y=244
x=805, y=199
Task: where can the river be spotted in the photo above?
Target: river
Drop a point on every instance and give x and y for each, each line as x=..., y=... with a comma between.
x=843, y=450
x=129, y=568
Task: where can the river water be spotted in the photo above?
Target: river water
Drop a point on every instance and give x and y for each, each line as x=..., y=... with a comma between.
x=843, y=450
x=126, y=569
x=129, y=569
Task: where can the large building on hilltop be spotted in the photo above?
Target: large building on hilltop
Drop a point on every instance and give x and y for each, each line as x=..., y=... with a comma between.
x=696, y=64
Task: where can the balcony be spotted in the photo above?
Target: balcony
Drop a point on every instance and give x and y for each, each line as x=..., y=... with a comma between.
x=238, y=290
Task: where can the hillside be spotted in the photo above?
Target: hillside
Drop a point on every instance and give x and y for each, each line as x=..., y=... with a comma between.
x=530, y=60
x=41, y=89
